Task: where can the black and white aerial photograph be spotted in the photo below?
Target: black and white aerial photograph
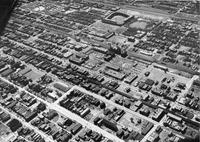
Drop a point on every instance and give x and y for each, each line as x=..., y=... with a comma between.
x=99, y=70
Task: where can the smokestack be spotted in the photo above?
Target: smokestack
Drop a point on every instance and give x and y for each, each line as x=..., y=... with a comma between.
x=198, y=7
